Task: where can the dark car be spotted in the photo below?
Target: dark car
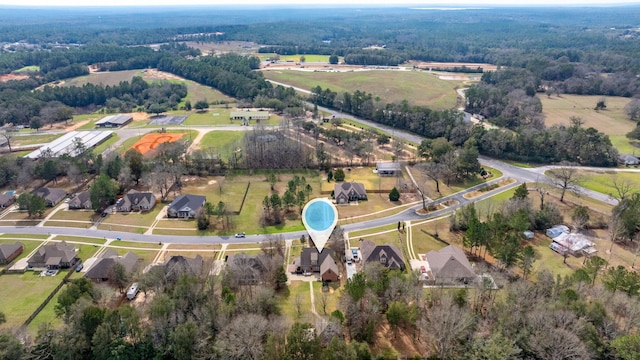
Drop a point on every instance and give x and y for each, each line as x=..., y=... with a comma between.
x=79, y=267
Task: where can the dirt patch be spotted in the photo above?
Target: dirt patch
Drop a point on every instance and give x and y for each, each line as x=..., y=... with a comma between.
x=153, y=74
x=451, y=65
x=488, y=188
x=150, y=142
x=9, y=77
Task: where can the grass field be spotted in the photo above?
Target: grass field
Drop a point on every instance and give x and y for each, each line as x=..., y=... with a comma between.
x=419, y=88
x=33, y=139
x=105, y=145
x=31, y=68
x=611, y=121
x=223, y=141
x=296, y=57
x=28, y=290
x=29, y=246
x=23, y=236
x=110, y=78
x=82, y=239
x=299, y=293
x=602, y=182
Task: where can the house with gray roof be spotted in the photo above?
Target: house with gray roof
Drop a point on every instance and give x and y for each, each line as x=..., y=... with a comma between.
x=249, y=269
x=55, y=256
x=7, y=200
x=347, y=192
x=388, y=255
x=102, y=268
x=186, y=206
x=388, y=168
x=8, y=252
x=627, y=159
x=114, y=121
x=450, y=266
x=179, y=265
x=51, y=195
x=136, y=201
x=82, y=200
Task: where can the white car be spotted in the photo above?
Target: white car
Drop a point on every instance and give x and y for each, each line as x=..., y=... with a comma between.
x=240, y=235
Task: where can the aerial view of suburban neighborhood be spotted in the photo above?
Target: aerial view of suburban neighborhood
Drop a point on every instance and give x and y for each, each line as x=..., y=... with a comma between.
x=319, y=182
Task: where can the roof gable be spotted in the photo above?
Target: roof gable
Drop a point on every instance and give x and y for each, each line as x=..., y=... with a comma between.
x=450, y=262
x=187, y=202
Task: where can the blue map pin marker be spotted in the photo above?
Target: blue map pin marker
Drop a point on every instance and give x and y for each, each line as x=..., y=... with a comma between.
x=320, y=217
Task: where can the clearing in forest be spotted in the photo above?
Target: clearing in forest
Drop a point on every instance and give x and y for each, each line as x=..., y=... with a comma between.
x=417, y=87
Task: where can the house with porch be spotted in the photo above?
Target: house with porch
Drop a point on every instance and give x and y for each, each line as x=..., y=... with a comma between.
x=323, y=264
x=186, y=206
x=388, y=255
x=136, y=201
x=54, y=256
x=347, y=192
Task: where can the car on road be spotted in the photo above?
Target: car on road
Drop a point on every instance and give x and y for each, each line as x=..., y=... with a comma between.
x=240, y=235
x=349, y=261
x=118, y=238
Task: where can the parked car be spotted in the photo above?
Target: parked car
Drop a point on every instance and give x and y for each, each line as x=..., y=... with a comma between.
x=79, y=267
x=349, y=261
x=240, y=235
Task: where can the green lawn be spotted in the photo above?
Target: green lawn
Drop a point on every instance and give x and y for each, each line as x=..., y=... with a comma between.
x=332, y=298
x=23, y=236
x=624, y=144
x=134, y=244
x=31, y=68
x=489, y=205
x=47, y=315
x=83, y=239
x=33, y=139
x=28, y=291
x=602, y=182
x=223, y=141
x=297, y=290
x=363, y=233
x=146, y=256
x=419, y=88
x=110, y=78
x=423, y=243
x=106, y=144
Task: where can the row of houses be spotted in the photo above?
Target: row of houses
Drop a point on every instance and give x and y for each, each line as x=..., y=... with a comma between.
x=184, y=206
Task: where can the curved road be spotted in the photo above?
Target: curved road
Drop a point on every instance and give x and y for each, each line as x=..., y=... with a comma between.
x=509, y=171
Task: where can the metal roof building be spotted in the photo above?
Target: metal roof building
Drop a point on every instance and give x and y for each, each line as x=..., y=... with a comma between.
x=114, y=121
x=66, y=143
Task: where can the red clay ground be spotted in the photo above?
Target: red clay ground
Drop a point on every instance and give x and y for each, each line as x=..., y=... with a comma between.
x=151, y=141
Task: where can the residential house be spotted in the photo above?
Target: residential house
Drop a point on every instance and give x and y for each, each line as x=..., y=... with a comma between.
x=248, y=269
x=312, y=261
x=178, y=265
x=347, y=192
x=573, y=243
x=186, y=206
x=136, y=201
x=114, y=121
x=450, y=266
x=51, y=195
x=102, y=268
x=557, y=230
x=6, y=200
x=54, y=256
x=8, y=252
x=388, y=168
x=627, y=159
x=388, y=255
x=82, y=200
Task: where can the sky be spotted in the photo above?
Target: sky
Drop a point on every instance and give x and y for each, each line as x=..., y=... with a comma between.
x=413, y=3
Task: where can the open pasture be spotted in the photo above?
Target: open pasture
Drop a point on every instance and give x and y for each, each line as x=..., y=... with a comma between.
x=418, y=88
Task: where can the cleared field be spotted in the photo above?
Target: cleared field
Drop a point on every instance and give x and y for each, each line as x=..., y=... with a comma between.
x=105, y=78
x=367, y=177
x=419, y=88
x=223, y=141
x=611, y=121
x=602, y=182
x=33, y=139
x=28, y=290
x=296, y=57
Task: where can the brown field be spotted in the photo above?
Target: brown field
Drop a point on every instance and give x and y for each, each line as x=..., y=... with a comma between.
x=611, y=121
x=151, y=141
x=451, y=65
x=9, y=77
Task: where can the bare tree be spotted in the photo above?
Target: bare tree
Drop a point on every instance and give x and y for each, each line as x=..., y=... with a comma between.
x=541, y=189
x=243, y=337
x=7, y=136
x=324, y=301
x=434, y=171
x=566, y=178
x=623, y=187
x=444, y=325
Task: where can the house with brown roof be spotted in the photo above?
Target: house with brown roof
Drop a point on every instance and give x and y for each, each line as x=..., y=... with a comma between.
x=450, y=266
x=136, y=201
x=8, y=252
x=51, y=195
x=7, y=200
x=82, y=200
x=54, y=256
x=347, y=192
x=388, y=255
x=102, y=268
x=311, y=261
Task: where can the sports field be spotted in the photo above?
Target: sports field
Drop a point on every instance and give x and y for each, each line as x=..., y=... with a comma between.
x=419, y=88
x=151, y=141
